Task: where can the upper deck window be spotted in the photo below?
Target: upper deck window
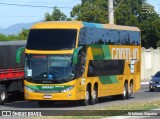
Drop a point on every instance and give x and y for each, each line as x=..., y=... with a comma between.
x=104, y=36
x=51, y=39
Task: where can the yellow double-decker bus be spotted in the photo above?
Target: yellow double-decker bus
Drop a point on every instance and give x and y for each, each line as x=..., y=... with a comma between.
x=74, y=60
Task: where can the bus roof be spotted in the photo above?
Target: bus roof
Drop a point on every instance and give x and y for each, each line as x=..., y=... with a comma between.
x=78, y=25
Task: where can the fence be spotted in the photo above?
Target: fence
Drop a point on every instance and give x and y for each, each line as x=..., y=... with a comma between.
x=150, y=63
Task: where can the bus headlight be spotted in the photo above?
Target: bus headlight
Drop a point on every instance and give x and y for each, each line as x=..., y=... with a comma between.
x=29, y=89
x=67, y=89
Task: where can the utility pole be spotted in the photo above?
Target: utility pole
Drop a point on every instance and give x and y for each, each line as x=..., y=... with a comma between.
x=111, y=11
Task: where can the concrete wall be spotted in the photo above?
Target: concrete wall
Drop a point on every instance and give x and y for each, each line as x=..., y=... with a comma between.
x=150, y=63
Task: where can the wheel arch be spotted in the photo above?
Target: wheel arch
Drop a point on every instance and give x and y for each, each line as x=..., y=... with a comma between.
x=126, y=82
x=131, y=81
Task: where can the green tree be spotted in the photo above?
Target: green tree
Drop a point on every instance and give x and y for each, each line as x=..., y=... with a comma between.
x=129, y=12
x=149, y=26
x=91, y=11
x=56, y=15
x=2, y=37
x=135, y=15
x=8, y=37
x=12, y=37
x=23, y=35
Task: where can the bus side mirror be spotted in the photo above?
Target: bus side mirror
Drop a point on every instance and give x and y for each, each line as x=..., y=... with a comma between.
x=75, y=55
x=18, y=54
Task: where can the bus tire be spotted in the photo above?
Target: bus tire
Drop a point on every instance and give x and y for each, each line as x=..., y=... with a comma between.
x=85, y=102
x=124, y=95
x=130, y=90
x=3, y=94
x=94, y=98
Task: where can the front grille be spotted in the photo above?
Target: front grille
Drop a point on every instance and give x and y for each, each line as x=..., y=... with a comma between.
x=51, y=91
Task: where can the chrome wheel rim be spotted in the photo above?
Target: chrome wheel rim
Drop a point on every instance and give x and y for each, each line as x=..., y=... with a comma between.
x=87, y=95
x=124, y=91
x=94, y=94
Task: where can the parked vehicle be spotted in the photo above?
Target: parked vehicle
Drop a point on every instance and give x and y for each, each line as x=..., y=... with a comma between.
x=155, y=82
x=11, y=73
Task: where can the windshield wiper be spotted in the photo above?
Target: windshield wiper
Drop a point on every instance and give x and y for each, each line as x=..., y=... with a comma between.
x=65, y=77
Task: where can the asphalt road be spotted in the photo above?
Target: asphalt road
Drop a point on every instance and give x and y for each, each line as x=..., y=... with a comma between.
x=17, y=102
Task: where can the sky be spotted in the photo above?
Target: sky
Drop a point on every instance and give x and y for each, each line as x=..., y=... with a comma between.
x=12, y=14
x=156, y=4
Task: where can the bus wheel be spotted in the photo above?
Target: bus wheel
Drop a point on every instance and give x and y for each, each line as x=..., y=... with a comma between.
x=124, y=95
x=94, y=98
x=129, y=93
x=85, y=102
x=3, y=94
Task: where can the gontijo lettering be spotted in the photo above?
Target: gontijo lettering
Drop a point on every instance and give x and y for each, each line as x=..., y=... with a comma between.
x=125, y=53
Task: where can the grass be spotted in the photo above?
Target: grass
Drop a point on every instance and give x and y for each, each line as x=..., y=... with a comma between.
x=115, y=110
x=136, y=106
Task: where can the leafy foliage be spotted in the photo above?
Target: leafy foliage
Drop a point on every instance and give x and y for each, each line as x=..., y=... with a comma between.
x=129, y=12
x=21, y=36
x=91, y=11
x=56, y=15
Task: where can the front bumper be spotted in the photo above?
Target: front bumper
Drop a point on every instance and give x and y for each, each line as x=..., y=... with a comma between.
x=154, y=86
x=70, y=95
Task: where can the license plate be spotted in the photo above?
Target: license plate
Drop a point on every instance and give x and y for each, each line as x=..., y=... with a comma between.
x=47, y=96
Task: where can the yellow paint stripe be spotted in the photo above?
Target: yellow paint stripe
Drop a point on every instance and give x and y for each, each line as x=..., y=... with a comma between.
x=48, y=52
x=58, y=25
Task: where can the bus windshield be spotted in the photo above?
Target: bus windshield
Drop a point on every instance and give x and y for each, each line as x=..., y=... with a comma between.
x=51, y=39
x=51, y=68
